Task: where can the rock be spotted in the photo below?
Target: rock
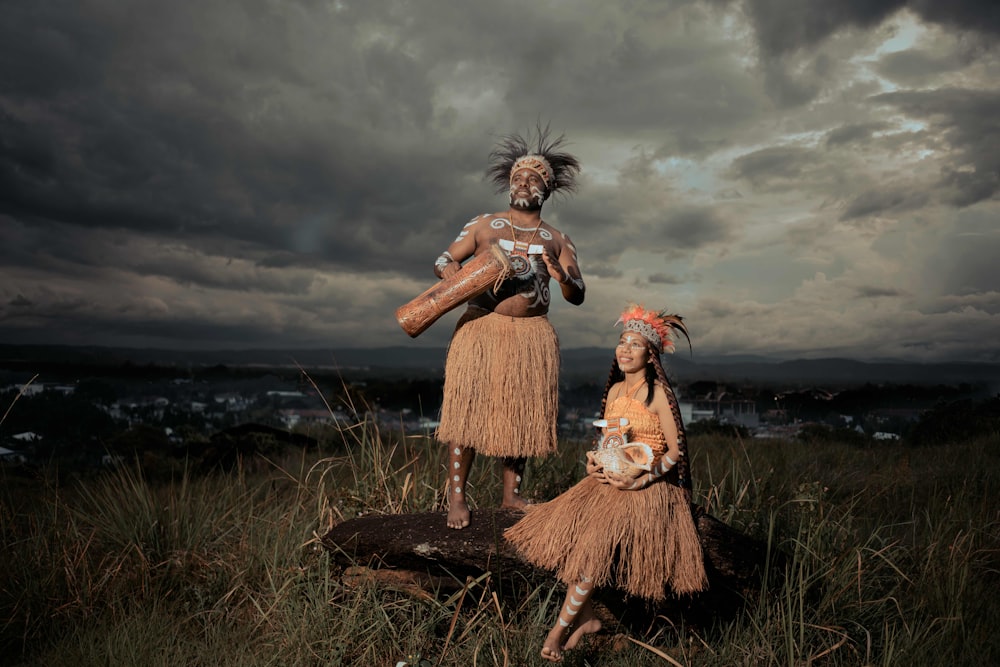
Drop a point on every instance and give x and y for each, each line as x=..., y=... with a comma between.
x=420, y=548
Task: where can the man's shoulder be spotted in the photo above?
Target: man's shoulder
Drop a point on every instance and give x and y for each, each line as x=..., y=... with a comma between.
x=487, y=218
x=552, y=229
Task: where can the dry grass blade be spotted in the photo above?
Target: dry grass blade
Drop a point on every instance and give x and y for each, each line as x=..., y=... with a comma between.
x=654, y=650
x=19, y=394
x=454, y=619
x=814, y=658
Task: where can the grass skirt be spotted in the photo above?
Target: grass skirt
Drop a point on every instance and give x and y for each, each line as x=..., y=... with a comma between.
x=501, y=385
x=643, y=542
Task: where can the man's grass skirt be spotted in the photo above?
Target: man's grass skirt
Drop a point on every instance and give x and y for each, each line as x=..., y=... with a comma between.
x=501, y=385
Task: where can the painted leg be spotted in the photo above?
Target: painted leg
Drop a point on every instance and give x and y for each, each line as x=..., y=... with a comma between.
x=513, y=474
x=459, y=463
x=576, y=613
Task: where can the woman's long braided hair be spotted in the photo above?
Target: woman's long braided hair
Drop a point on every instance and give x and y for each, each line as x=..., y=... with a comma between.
x=656, y=375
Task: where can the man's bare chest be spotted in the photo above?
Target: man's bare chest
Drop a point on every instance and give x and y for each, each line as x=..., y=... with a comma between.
x=517, y=239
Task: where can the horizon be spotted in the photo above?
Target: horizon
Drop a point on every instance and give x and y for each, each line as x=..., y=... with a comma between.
x=416, y=351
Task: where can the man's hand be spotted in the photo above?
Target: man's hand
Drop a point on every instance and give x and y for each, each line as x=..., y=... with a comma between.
x=556, y=270
x=450, y=269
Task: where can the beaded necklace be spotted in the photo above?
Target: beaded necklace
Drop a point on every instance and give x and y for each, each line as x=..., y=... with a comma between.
x=520, y=265
x=629, y=391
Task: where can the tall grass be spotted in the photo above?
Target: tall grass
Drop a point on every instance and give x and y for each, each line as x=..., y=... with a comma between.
x=887, y=553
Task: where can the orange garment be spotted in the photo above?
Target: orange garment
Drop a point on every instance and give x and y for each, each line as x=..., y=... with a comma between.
x=643, y=425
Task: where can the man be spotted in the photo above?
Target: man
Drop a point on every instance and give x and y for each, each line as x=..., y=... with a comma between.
x=502, y=372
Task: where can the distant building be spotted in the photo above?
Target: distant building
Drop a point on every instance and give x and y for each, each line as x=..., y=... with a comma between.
x=233, y=401
x=11, y=456
x=883, y=415
x=285, y=394
x=292, y=417
x=427, y=423
x=722, y=407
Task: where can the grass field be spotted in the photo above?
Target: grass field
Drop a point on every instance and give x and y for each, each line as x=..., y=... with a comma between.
x=893, y=558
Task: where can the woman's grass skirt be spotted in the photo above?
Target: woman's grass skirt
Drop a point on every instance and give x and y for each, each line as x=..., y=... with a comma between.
x=644, y=542
x=501, y=385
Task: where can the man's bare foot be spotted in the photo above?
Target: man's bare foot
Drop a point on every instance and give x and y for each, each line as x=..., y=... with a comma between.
x=458, y=514
x=552, y=647
x=515, y=503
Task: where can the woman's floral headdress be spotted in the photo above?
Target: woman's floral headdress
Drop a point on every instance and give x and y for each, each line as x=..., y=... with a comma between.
x=657, y=327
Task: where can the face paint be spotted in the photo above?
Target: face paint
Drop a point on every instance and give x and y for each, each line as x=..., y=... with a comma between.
x=527, y=190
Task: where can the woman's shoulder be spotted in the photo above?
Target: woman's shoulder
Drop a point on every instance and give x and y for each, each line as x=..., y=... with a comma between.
x=661, y=393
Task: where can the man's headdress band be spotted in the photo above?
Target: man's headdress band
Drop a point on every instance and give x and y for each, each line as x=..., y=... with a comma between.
x=535, y=163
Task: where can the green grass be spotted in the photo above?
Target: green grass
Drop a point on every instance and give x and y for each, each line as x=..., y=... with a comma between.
x=890, y=556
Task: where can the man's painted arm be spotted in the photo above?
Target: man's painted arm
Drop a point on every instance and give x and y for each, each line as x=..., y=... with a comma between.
x=463, y=247
x=566, y=271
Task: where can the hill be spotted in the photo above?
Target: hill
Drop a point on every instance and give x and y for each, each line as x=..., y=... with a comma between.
x=579, y=364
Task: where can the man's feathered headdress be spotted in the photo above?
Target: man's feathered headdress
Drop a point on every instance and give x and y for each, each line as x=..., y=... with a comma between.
x=538, y=153
x=657, y=327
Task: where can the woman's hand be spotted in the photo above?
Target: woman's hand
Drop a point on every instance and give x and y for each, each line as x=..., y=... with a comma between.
x=595, y=469
x=628, y=482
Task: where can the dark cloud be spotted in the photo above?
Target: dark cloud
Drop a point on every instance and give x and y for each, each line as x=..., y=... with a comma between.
x=883, y=199
x=968, y=120
x=599, y=268
x=773, y=168
x=783, y=26
x=976, y=15
x=692, y=228
x=665, y=279
x=916, y=67
x=790, y=85
x=965, y=260
x=872, y=292
x=787, y=25
x=20, y=302
x=848, y=134
x=729, y=193
x=258, y=150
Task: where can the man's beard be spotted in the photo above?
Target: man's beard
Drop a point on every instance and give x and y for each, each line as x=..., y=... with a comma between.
x=532, y=202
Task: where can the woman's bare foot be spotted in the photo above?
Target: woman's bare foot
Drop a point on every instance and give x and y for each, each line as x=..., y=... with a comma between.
x=458, y=514
x=552, y=647
x=586, y=624
x=585, y=628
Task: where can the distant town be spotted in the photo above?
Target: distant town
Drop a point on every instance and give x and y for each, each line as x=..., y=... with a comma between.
x=90, y=417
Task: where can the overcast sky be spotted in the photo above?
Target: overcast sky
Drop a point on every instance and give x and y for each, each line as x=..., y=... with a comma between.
x=801, y=178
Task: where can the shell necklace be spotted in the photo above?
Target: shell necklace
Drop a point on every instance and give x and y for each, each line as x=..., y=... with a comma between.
x=520, y=264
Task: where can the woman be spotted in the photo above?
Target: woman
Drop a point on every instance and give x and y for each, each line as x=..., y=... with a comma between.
x=633, y=529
